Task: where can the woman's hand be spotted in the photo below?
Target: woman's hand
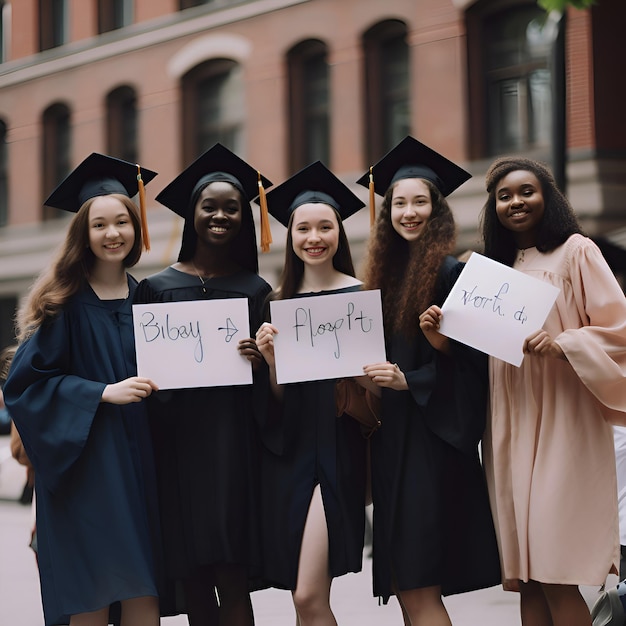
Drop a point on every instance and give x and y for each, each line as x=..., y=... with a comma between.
x=249, y=349
x=430, y=320
x=541, y=344
x=133, y=389
x=265, y=342
x=387, y=375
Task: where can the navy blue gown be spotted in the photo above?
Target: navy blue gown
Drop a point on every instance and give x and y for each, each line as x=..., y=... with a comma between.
x=310, y=445
x=432, y=522
x=93, y=461
x=206, y=444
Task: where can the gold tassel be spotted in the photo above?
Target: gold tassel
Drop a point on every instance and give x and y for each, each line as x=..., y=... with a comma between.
x=266, y=231
x=142, y=210
x=372, y=199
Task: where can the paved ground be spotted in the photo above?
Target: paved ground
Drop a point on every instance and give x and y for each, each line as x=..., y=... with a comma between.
x=20, y=603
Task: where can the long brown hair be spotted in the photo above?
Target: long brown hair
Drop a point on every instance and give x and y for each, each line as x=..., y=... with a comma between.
x=70, y=269
x=293, y=268
x=406, y=272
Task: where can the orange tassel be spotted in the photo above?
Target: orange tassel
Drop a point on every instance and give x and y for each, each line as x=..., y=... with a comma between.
x=266, y=231
x=372, y=199
x=142, y=210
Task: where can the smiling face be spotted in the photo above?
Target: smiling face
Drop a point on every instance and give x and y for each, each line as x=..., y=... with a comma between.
x=411, y=206
x=315, y=233
x=520, y=206
x=111, y=231
x=218, y=215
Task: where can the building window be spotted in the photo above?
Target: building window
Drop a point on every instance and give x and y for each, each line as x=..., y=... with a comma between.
x=114, y=14
x=56, y=151
x=387, y=85
x=213, y=107
x=5, y=30
x=186, y=4
x=121, y=121
x=309, y=104
x=4, y=176
x=52, y=23
x=511, y=105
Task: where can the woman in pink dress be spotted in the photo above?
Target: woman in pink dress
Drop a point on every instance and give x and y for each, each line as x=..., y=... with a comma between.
x=548, y=449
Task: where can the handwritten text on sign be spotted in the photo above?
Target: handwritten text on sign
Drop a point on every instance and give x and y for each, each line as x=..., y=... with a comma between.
x=192, y=344
x=493, y=308
x=327, y=336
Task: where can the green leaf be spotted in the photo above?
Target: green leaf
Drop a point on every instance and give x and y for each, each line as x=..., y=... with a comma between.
x=561, y=5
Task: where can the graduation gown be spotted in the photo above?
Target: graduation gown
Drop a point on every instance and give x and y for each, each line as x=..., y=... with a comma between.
x=314, y=447
x=94, y=477
x=432, y=524
x=206, y=444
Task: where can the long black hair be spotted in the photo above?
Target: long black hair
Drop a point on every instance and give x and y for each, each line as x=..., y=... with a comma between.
x=558, y=223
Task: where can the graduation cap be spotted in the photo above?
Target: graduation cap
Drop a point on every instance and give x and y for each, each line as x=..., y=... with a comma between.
x=412, y=159
x=217, y=164
x=313, y=184
x=101, y=175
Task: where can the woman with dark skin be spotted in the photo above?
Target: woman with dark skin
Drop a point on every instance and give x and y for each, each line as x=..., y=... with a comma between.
x=205, y=439
x=548, y=448
x=433, y=533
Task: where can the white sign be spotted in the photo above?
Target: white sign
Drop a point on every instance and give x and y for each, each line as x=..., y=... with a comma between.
x=327, y=336
x=493, y=308
x=192, y=344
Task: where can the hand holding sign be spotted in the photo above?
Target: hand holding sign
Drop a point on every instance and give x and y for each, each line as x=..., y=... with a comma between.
x=494, y=308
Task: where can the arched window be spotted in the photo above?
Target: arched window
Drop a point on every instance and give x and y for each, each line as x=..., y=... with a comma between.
x=114, y=14
x=309, y=104
x=52, y=23
x=56, y=151
x=5, y=30
x=387, y=85
x=121, y=124
x=511, y=105
x=4, y=176
x=213, y=107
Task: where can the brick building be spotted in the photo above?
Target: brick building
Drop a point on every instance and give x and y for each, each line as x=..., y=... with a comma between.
x=285, y=82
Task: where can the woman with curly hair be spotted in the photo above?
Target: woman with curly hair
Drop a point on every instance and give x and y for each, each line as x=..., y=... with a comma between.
x=548, y=447
x=433, y=533
x=77, y=403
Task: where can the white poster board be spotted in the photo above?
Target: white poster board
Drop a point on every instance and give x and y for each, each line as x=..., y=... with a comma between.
x=327, y=336
x=192, y=344
x=493, y=308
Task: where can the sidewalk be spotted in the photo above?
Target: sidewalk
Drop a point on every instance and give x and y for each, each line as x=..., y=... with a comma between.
x=353, y=604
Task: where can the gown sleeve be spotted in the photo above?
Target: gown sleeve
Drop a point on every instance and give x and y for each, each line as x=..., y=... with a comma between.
x=457, y=408
x=52, y=410
x=597, y=350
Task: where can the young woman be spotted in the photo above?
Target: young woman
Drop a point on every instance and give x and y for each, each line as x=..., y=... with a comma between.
x=205, y=439
x=74, y=396
x=314, y=475
x=433, y=532
x=549, y=444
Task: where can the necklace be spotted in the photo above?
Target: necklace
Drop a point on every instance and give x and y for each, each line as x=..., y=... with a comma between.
x=200, y=277
x=520, y=258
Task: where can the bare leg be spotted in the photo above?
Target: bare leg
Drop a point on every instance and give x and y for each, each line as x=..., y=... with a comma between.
x=424, y=607
x=533, y=605
x=567, y=606
x=95, y=618
x=142, y=611
x=202, y=607
x=234, y=597
x=312, y=594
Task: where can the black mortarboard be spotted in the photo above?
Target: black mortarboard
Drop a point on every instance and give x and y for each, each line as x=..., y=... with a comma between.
x=101, y=175
x=216, y=164
x=314, y=183
x=97, y=175
x=412, y=159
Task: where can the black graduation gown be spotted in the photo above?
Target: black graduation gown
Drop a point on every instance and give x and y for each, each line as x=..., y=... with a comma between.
x=93, y=461
x=313, y=446
x=432, y=522
x=206, y=444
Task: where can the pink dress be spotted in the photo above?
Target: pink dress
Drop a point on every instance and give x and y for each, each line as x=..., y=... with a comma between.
x=548, y=450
